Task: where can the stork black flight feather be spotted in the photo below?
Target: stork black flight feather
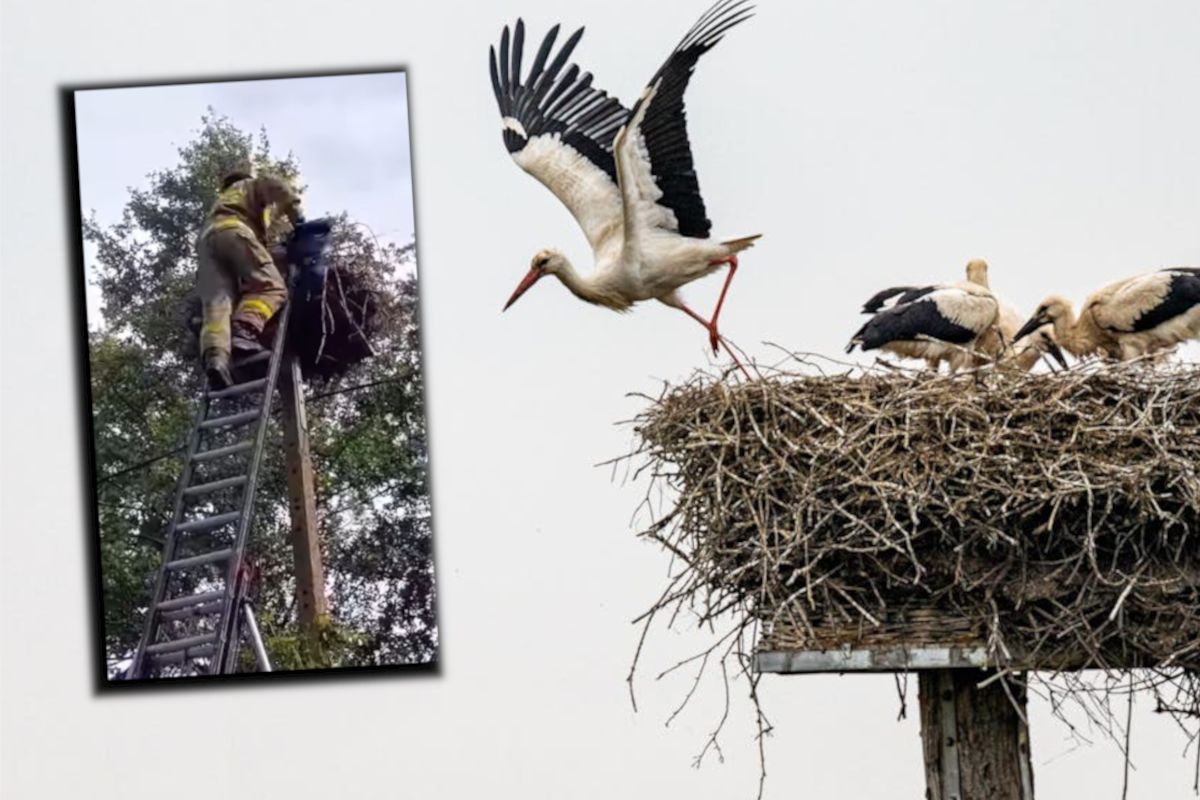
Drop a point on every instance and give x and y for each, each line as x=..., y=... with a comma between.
x=1182, y=295
x=551, y=101
x=664, y=128
x=907, y=294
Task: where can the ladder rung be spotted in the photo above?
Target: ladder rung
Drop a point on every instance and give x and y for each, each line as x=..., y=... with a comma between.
x=205, y=455
x=189, y=600
x=176, y=645
x=169, y=659
x=249, y=361
x=188, y=612
x=239, y=389
x=231, y=421
x=196, y=561
x=208, y=523
x=214, y=486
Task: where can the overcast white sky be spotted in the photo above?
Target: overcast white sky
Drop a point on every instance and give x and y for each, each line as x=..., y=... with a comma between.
x=349, y=132
x=871, y=143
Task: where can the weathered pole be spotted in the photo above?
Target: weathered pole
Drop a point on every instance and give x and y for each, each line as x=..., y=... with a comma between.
x=975, y=740
x=302, y=496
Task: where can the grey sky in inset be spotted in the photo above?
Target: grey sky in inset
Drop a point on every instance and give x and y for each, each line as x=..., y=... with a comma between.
x=349, y=133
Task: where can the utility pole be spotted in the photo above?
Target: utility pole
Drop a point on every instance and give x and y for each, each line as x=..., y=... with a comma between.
x=302, y=497
x=975, y=739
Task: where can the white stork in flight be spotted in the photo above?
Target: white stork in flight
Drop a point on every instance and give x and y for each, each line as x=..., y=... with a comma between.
x=1143, y=315
x=625, y=174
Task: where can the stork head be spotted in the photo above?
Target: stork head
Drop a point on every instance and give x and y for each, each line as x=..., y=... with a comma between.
x=546, y=262
x=1049, y=312
x=977, y=271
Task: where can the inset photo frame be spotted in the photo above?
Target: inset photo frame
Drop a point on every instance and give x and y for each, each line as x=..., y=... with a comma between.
x=255, y=375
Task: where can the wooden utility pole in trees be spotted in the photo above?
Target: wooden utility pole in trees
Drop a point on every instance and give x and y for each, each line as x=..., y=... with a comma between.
x=306, y=543
x=975, y=739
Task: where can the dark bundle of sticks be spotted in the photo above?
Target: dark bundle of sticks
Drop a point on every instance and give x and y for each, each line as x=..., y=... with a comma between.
x=332, y=328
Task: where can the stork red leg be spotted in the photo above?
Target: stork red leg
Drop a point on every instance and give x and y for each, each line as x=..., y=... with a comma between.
x=711, y=328
x=713, y=336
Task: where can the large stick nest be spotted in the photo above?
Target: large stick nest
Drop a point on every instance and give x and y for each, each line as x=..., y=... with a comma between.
x=331, y=330
x=1053, y=518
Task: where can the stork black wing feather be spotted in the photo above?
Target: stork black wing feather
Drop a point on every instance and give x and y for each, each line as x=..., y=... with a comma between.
x=504, y=76
x=552, y=102
x=664, y=127
x=539, y=61
x=496, y=86
x=914, y=294
x=518, y=47
x=907, y=295
x=907, y=323
x=1182, y=295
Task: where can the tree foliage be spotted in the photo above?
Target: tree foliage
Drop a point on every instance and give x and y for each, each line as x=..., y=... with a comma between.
x=366, y=425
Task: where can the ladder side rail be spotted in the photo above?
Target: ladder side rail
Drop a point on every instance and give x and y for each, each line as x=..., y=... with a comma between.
x=255, y=637
x=227, y=636
x=160, y=586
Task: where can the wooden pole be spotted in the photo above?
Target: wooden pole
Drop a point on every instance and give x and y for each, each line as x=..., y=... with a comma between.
x=306, y=542
x=975, y=741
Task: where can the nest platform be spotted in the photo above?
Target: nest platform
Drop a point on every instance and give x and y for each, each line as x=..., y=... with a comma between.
x=884, y=521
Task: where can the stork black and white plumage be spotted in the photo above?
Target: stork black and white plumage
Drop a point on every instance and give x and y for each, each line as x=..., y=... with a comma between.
x=997, y=345
x=911, y=333
x=1139, y=316
x=976, y=270
x=625, y=174
x=941, y=323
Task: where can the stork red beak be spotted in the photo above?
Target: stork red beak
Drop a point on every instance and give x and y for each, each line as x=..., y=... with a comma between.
x=530, y=279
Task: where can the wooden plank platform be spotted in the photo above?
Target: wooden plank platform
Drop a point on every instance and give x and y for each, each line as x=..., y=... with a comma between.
x=876, y=659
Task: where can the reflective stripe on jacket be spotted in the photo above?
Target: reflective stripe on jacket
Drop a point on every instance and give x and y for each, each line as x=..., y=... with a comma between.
x=250, y=202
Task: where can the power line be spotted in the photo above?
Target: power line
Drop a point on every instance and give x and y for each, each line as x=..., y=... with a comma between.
x=349, y=389
x=142, y=464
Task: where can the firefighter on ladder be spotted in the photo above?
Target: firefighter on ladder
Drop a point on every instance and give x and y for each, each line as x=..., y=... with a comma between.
x=237, y=265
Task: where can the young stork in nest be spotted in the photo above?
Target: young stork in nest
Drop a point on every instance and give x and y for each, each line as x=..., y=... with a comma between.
x=996, y=345
x=1020, y=353
x=1001, y=345
x=625, y=174
x=1140, y=316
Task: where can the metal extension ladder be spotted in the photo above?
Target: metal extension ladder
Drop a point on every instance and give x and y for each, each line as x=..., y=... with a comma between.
x=199, y=613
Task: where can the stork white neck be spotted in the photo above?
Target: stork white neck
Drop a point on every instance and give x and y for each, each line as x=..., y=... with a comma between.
x=591, y=288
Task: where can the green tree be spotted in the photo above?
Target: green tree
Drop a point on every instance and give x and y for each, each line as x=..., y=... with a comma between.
x=367, y=426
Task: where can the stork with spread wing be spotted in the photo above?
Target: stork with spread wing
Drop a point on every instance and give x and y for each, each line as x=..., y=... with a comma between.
x=626, y=175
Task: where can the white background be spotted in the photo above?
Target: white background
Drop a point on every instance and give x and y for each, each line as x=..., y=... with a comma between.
x=872, y=144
